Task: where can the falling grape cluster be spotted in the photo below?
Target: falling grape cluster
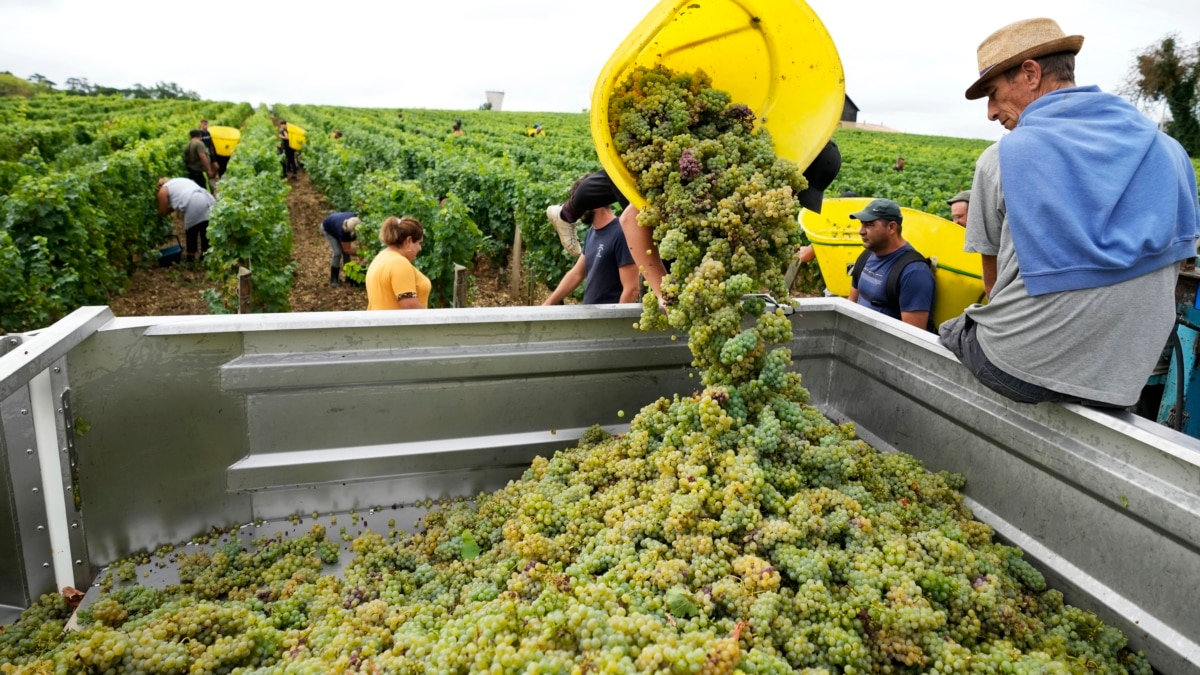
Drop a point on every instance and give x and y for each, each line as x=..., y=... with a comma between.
x=735, y=529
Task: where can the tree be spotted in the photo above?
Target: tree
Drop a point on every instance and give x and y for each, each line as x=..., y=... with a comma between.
x=163, y=90
x=80, y=85
x=1169, y=73
x=160, y=90
x=41, y=80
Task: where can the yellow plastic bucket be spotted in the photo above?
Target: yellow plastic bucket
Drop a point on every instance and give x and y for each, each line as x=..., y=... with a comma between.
x=296, y=137
x=774, y=56
x=835, y=240
x=225, y=139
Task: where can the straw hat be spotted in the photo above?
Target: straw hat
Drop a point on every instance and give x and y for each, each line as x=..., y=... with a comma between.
x=1009, y=46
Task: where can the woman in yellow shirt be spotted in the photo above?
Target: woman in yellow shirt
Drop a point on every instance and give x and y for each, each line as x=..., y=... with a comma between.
x=392, y=280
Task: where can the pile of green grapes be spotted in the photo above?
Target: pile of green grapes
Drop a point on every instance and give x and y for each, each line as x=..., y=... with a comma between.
x=731, y=530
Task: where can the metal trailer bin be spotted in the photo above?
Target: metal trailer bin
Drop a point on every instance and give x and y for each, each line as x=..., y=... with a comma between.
x=121, y=434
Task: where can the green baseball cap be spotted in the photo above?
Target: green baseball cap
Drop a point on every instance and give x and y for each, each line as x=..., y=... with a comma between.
x=885, y=209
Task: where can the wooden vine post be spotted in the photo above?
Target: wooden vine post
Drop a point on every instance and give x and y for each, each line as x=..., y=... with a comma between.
x=514, y=264
x=460, y=286
x=244, y=288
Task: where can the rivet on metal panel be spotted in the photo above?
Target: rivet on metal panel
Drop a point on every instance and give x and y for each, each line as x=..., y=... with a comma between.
x=45, y=564
x=24, y=411
x=78, y=563
x=29, y=451
x=14, y=341
x=35, y=490
x=74, y=524
x=68, y=488
x=60, y=411
x=40, y=528
x=57, y=369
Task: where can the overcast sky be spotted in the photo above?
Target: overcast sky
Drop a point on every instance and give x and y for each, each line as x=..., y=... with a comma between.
x=907, y=64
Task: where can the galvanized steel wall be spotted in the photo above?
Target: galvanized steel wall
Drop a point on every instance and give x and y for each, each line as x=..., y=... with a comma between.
x=190, y=422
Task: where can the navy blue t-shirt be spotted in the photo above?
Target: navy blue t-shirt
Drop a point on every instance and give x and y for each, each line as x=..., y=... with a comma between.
x=916, y=284
x=332, y=225
x=604, y=253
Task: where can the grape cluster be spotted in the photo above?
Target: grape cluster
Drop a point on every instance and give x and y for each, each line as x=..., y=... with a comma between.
x=733, y=530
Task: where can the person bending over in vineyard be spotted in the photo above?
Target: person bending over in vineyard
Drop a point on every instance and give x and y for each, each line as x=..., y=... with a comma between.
x=392, y=280
x=606, y=266
x=195, y=203
x=1082, y=214
x=197, y=160
x=339, y=229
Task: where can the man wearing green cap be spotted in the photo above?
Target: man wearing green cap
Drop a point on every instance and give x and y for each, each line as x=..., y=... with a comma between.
x=881, y=230
x=1082, y=214
x=959, y=204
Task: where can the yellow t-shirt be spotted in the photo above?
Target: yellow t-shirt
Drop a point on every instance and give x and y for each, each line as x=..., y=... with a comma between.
x=391, y=275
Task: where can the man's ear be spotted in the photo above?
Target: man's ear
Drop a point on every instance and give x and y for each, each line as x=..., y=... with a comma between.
x=1031, y=71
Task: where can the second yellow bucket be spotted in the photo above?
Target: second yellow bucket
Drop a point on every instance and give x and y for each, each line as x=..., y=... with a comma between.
x=296, y=137
x=774, y=56
x=225, y=139
x=835, y=240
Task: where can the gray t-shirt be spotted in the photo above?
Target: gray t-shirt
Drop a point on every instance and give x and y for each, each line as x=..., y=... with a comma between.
x=1097, y=343
x=188, y=198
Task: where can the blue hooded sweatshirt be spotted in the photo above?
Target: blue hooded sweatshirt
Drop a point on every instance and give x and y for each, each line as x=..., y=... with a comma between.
x=1095, y=193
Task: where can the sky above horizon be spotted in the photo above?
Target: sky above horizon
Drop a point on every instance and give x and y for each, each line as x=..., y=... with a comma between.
x=906, y=64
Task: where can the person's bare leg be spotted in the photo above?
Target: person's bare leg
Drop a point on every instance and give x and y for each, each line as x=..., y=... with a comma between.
x=645, y=252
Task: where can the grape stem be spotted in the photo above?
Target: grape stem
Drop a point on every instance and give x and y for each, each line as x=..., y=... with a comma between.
x=788, y=308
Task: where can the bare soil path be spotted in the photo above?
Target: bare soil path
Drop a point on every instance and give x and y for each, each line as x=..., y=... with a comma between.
x=176, y=290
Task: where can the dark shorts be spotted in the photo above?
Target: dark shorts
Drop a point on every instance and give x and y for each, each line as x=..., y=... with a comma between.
x=959, y=336
x=595, y=190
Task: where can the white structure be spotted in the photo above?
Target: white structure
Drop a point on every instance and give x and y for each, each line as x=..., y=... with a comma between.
x=495, y=98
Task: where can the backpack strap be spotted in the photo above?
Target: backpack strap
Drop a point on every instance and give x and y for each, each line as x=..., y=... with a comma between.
x=857, y=268
x=907, y=258
x=892, y=285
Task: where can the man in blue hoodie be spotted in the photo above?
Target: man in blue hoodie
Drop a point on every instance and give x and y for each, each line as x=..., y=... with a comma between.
x=1082, y=214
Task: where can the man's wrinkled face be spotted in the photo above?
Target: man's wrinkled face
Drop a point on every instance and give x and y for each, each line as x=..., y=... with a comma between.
x=1007, y=99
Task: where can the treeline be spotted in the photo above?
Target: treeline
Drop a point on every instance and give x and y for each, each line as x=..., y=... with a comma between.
x=11, y=85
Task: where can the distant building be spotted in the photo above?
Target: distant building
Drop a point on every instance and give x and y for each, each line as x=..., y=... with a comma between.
x=849, y=112
x=850, y=119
